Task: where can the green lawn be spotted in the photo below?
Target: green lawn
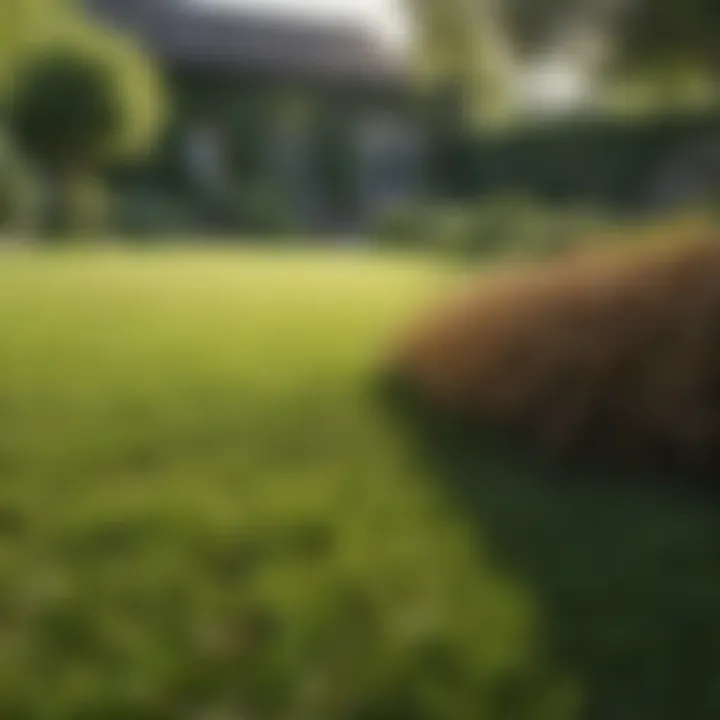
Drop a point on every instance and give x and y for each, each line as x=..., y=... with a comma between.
x=205, y=514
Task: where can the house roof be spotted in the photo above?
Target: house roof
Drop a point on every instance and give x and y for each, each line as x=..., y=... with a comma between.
x=185, y=35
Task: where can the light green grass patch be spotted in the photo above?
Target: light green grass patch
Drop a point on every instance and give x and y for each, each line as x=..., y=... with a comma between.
x=203, y=513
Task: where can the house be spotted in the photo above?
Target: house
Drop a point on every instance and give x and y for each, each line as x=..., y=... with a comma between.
x=322, y=112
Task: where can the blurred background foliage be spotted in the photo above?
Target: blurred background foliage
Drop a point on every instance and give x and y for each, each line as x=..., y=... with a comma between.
x=76, y=99
x=586, y=102
x=607, y=41
x=646, y=70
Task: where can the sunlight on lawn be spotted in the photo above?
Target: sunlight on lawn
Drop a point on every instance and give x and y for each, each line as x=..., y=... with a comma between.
x=203, y=510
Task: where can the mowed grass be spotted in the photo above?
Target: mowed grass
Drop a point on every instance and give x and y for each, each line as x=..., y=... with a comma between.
x=205, y=514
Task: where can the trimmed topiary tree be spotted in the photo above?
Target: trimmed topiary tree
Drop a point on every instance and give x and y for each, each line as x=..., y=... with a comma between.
x=78, y=107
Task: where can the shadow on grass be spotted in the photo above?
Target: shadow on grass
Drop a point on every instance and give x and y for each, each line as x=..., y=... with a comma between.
x=626, y=569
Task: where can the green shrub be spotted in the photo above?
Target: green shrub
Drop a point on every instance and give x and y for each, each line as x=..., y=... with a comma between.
x=86, y=102
x=254, y=208
x=18, y=190
x=6, y=203
x=517, y=225
x=144, y=212
x=259, y=208
x=508, y=225
x=401, y=225
x=607, y=161
x=10, y=199
x=78, y=208
x=66, y=110
x=77, y=108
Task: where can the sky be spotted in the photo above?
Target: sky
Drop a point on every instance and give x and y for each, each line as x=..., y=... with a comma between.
x=386, y=16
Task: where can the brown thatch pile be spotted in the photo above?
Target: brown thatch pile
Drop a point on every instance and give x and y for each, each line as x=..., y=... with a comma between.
x=615, y=352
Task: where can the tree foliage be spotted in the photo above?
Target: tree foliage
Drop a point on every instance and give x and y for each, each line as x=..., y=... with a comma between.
x=85, y=103
x=134, y=79
x=34, y=34
x=666, y=35
x=25, y=27
x=478, y=43
x=77, y=98
x=66, y=109
x=462, y=47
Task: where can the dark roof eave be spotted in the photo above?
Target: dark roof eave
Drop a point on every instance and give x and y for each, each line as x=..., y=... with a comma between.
x=324, y=76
